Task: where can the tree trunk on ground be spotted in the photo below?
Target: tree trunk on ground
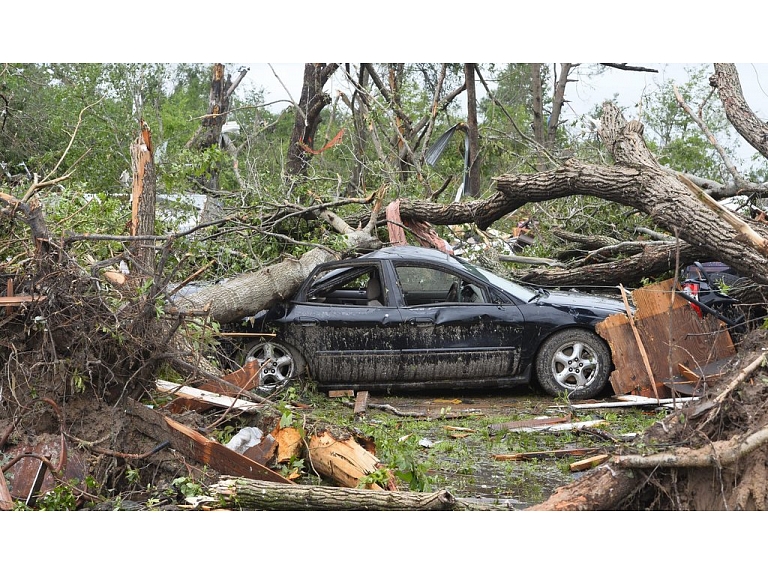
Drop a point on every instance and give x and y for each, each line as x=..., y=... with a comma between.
x=602, y=490
x=238, y=493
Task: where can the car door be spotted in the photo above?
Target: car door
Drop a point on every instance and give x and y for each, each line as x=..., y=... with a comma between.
x=454, y=329
x=346, y=338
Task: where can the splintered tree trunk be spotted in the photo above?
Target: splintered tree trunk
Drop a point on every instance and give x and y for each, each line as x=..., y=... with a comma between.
x=311, y=104
x=239, y=493
x=143, y=200
x=473, y=178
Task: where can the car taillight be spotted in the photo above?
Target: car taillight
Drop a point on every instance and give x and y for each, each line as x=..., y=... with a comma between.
x=692, y=289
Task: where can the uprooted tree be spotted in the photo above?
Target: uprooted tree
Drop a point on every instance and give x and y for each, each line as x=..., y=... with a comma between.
x=82, y=332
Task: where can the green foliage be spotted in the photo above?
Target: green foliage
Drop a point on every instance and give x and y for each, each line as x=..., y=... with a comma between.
x=61, y=498
x=294, y=467
x=187, y=486
x=673, y=135
x=132, y=475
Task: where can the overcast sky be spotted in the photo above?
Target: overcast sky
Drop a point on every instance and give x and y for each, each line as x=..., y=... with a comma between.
x=582, y=95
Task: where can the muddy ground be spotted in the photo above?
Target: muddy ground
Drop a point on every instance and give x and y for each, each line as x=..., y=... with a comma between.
x=444, y=441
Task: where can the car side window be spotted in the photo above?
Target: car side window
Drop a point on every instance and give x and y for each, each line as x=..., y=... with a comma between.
x=424, y=286
x=355, y=286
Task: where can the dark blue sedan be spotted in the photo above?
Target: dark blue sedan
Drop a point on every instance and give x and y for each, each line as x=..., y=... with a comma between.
x=416, y=318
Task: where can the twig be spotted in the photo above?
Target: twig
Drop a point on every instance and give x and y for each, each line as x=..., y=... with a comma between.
x=710, y=136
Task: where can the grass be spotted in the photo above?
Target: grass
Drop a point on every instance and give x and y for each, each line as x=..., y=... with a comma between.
x=427, y=455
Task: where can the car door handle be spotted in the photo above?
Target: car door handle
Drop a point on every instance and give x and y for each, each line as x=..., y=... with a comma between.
x=421, y=321
x=307, y=321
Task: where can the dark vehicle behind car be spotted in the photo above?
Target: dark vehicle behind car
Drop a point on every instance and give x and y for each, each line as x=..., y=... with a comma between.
x=416, y=318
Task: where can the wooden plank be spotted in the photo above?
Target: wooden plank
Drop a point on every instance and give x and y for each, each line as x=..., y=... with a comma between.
x=589, y=463
x=12, y=301
x=561, y=426
x=209, y=398
x=553, y=454
x=245, y=378
x=616, y=331
x=641, y=401
x=341, y=393
x=192, y=444
x=361, y=402
x=538, y=422
x=640, y=346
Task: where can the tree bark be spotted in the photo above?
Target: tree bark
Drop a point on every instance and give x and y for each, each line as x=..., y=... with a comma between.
x=636, y=180
x=603, y=489
x=473, y=178
x=751, y=128
x=652, y=261
x=222, y=88
x=311, y=104
x=238, y=493
x=143, y=200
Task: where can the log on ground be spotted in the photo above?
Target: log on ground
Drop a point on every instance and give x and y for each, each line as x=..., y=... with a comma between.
x=246, y=494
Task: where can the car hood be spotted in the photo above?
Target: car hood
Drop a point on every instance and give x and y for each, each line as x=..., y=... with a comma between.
x=582, y=303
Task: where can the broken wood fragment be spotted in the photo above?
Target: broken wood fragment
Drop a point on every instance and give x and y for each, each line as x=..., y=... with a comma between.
x=671, y=334
x=527, y=423
x=341, y=393
x=206, y=398
x=560, y=426
x=343, y=461
x=589, y=462
x=263, y=451
x=361, y=402
x=535, y=455
x=290, y=443
x=191, y=443
x=245, y=378
x=633, y=401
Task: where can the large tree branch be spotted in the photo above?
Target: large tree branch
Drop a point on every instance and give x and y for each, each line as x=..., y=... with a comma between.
x=751, y=128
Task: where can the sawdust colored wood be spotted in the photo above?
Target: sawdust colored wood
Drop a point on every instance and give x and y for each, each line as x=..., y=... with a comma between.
x=345, y=461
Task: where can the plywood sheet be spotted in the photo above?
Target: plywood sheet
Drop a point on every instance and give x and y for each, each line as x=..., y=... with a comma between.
x=671, y=333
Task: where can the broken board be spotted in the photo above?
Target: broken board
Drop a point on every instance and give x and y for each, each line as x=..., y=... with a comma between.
x=671, y=333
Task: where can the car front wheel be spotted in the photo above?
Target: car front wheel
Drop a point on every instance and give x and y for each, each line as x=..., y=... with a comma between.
x=575, y=362
x=280, y=364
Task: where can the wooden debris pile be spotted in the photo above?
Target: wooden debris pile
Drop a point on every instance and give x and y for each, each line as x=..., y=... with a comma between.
x=340, y=460
x=664, y=348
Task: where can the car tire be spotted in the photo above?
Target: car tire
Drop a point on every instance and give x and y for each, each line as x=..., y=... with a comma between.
x=282, y=363
x=575, y=362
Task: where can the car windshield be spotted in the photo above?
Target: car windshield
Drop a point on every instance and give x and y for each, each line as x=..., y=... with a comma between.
x=520, y=292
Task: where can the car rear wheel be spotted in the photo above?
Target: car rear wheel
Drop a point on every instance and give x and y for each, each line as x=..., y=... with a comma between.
x=280, y=363
x=575, y=362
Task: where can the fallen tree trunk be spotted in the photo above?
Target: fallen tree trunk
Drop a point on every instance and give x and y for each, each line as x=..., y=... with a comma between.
x=656, y=259
x=602, y=490
x=239, y=493
x=610, y=486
